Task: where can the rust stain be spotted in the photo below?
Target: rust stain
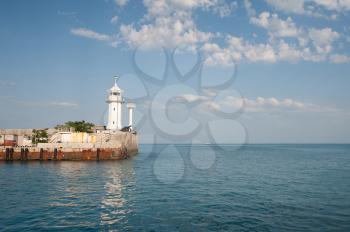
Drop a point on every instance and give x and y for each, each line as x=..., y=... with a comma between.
x=89, y=154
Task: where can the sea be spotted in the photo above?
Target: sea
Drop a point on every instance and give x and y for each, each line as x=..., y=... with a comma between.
x=183, y=188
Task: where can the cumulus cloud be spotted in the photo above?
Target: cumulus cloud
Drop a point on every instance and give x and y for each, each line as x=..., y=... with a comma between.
x=112, y=41
x=223, y=8
x=313, y=44
x=261, y=104
x=310, y=7
x=165, y=32
x=294, y=6
x=289, y=52
x=323, y=39
x=339, y=5
x=190, y=98
x=257, y=105
x=249, y=8
x=323, y=36
x=339, y=58
x=170, y=24
x=238, y=49
x=275, y=25
x=87, y=33
x=215, y=55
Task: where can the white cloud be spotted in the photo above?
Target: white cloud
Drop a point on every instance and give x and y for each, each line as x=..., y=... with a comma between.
x=293, y=6
x=289, y=52
x=223, y=8
x=165, y=32
x=274, y=105
x=170, y=25
x=238, y=49
x=317, y=45
x=121, y=2
x=311, y=7
x=323, y=39
x=276, y=26
x=338, y=5
x=87, y=33
x=261, y=104
x=114, y=19
x=249, y=8
x=64, y=104
x=314, y=44
x=215, y=55
x=258, y=105
x=339, y=59
x=190, y=98
x=323, y=36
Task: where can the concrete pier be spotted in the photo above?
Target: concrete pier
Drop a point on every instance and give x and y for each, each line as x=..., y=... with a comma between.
x=111, y=146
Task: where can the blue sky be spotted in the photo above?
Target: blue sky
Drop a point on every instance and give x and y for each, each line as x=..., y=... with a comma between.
x=292, y=60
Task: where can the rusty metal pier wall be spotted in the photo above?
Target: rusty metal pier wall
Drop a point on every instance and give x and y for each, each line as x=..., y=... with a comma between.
x=111, y=147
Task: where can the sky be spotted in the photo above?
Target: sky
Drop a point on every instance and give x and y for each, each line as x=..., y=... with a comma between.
x=267, y=71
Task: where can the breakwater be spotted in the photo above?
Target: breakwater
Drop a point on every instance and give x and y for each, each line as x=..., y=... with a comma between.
x=114, y=146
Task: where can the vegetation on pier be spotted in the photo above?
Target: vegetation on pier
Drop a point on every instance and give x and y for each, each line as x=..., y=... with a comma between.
x=40, y=136
x=76, y=126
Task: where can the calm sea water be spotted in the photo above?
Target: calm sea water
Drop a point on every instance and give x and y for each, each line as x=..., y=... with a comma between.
x=254, y=188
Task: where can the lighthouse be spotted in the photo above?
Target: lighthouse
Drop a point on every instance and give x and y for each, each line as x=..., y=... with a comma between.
x=114, y=101
x=131, y=106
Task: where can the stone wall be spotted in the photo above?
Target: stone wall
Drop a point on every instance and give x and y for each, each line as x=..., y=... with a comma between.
x=111, y=146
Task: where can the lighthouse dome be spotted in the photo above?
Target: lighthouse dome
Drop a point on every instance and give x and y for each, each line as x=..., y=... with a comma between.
x=115, y=88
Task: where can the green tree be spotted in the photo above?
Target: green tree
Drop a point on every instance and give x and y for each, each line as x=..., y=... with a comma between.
x=77, y=126
x=40, y=136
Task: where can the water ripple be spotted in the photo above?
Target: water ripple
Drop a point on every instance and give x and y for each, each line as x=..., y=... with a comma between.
x=255, y=188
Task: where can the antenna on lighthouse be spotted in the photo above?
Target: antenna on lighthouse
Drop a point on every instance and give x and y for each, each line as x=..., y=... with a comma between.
x=116, y=78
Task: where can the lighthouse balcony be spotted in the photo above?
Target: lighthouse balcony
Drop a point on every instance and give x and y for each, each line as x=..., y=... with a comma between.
x=112, y=98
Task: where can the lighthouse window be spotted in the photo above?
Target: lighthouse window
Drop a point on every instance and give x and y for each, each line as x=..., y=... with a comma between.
x=116, y=94
x=113, y=122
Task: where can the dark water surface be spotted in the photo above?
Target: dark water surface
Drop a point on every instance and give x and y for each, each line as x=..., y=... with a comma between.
x=254, y=188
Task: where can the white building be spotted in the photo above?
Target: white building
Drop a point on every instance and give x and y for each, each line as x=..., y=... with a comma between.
x=131, y=106
x=115, y=101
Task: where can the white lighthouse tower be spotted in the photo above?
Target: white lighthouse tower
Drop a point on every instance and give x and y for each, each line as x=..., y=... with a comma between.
x=115, y=101
x=131, y=106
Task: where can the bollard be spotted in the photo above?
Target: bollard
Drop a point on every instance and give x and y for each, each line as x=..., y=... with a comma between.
x=26, y=151
x=22, y=153
x=11, y=154
x=98, y=154
x=55, y=154
x=7, y=158
x=41, y=153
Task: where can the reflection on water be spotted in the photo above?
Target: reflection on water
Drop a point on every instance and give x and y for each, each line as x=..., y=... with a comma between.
x=114, y=205
x=62, y=195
